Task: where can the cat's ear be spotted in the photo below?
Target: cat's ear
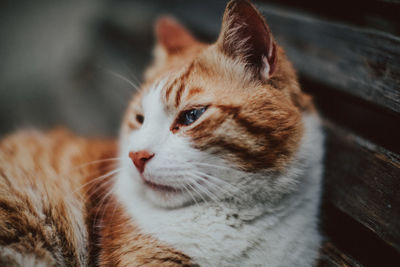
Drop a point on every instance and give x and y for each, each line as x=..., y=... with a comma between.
x=172, y=36
x=246, y=36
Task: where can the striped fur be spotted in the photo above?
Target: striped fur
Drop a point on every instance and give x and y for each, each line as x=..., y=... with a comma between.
x=41, y=220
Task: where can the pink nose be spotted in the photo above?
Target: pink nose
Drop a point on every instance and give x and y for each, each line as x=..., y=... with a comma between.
x=140, y=159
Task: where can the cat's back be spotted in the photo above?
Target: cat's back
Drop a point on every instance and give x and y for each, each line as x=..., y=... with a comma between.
x=42, y=209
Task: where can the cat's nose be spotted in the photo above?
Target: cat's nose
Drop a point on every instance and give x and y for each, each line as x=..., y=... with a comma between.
x=140, y=159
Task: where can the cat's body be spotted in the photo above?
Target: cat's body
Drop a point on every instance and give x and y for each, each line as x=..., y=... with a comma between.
x=43, y=213
x=219, y=164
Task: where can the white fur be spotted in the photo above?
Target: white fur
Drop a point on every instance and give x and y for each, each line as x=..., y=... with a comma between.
x=266, y=218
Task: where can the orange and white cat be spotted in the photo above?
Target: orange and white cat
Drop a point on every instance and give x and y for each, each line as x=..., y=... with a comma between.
x=219, y=164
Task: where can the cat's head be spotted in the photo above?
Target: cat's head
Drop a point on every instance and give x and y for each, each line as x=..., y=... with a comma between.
x=209, y=119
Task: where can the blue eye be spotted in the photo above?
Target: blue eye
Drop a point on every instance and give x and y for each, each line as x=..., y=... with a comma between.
x=187, y=117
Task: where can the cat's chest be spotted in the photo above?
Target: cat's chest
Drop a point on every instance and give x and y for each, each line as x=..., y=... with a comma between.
x=210, y=236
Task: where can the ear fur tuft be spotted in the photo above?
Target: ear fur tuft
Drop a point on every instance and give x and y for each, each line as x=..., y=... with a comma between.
x=246, y=35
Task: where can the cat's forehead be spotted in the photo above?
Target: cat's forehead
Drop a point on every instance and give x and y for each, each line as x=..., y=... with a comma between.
x=174, y=88
x=152, y=96
x=199, y=82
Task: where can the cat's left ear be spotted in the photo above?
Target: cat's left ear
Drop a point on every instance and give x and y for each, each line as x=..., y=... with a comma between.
x=246, y=36
x=172, y=36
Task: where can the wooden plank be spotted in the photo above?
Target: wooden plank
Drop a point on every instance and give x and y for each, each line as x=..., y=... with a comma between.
x=361, y=62
x=381, y=15
x=363, y=180
x=331, y=256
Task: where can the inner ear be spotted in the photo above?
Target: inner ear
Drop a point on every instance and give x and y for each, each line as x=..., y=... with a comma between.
x=245, y=35
x=172, y=36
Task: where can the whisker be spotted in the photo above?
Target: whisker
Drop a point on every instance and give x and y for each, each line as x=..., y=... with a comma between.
x=97, y=179
x=107, y=203
x=211, y=165
x=79, y=167
x=115, y=74
x=211, y=177
x=198, y=193
x=102, y=202
x=208, y=193
x=219, y=187
x=128, y=69
x=114, y=210
x=191, y=196
x=228, y=189
x=172, y=168
x=137, y=81
x=95, y=188
x=98, y=189
x=95, y=162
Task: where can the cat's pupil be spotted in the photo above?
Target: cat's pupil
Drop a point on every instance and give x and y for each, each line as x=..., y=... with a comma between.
x=192, y=115
x=139, y=118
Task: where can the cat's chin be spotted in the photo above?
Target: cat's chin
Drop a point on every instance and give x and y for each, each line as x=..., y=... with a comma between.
x=131, y=184
x=166, y=197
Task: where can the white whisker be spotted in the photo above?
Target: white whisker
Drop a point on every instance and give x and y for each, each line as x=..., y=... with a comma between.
x=102, y=203
x=219, y=187
x=95, y=191
x=104, y=176
x=209, y=194
x=187, y=190
x=219, y=180
x=123, y=78
x=211, y=165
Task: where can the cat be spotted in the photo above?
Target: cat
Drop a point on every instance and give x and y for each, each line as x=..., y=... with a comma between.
x=218, y=163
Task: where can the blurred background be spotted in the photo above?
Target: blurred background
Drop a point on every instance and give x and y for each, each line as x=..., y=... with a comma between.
x=64, y=63
x=57, y=60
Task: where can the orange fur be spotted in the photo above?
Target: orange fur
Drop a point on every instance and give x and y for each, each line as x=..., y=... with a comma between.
x=121, y=243
x=39, y=214
x=51, y=206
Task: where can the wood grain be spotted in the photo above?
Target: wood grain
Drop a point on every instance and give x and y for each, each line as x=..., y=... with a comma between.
x=360, y=62
x=374, y=14
x=363, y=180
x=331, y=256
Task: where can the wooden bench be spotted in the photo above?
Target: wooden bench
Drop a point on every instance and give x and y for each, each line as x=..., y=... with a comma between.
x=348, y=58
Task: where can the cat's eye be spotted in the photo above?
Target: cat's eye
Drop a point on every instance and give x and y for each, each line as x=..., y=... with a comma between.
x=139, y=118
x=187, y=117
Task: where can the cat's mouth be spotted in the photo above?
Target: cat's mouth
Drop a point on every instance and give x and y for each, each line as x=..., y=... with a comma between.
x=162, y=188
x=168, y=188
